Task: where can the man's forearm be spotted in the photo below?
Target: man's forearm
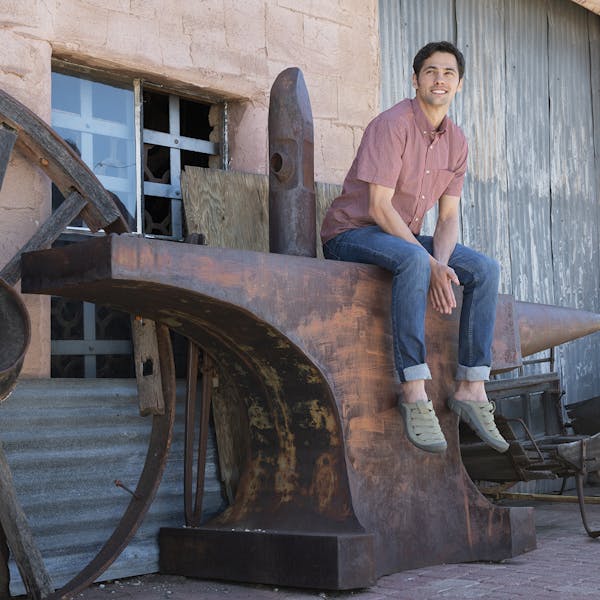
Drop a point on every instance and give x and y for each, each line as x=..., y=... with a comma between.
x=384, y=214
x=444, y=239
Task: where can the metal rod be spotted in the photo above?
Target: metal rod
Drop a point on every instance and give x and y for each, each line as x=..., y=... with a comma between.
x=121, y=485
x=138, y=116
x=522, y=423
x=582, y=500
x=190, y=421
x=545, y=497
x=203, y=436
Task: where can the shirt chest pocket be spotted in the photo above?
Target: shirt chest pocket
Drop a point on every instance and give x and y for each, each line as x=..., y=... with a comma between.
x=441, y=180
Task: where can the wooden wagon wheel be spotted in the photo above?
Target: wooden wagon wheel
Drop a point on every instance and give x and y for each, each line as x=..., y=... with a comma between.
x=24, y=131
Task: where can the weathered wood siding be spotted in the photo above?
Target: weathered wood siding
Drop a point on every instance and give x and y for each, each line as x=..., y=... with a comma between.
x=231, y=209
x=531, y=110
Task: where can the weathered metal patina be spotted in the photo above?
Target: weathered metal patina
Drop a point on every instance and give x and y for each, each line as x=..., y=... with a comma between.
x=292, y=212
x=333, y=494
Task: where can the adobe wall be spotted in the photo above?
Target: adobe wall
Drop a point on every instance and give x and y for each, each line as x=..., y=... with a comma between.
x=219, y=48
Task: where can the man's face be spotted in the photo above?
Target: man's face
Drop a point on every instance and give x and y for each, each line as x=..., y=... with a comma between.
x=438, y=80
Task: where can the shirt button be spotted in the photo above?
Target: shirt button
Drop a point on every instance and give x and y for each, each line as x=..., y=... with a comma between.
x=427, y=172
x=416, y=219
x=422, y=197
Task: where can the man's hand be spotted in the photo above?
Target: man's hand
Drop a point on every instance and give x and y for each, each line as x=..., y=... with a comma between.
x=440, y=287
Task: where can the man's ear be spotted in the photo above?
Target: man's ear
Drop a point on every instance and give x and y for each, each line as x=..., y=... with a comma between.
x=415, y=81
x=460, y=84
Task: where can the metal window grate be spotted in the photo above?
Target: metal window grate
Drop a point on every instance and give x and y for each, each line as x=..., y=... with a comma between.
x=168, y=147
x=137, y=141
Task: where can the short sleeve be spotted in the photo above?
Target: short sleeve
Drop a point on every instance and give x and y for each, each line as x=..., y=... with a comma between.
x=456, y=185
x=379, y=157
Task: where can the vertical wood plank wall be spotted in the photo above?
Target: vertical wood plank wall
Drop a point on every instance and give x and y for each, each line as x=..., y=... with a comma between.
x=531, y=110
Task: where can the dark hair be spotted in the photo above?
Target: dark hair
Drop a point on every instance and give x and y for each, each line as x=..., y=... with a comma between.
x=426, y=51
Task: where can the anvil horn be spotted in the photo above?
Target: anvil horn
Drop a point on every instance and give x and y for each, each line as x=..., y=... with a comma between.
x=542, y=326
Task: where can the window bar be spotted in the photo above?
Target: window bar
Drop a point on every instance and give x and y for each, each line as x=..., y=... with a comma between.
x=87, y=139
x=175, y=163
x=139, y=150
x=89, y=335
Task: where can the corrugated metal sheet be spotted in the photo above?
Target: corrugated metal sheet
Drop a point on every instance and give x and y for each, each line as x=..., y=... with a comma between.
x=528, y=150
x=528, y=165
x=532, y=195
x=484, y=207
x=405, y=27
x=67, y=441
x=594, y=29
x=575, y=236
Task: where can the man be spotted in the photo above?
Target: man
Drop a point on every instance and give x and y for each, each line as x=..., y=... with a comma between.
x=411, y=157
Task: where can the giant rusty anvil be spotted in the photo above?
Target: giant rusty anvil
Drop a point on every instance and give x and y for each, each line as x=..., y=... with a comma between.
x=332, y=495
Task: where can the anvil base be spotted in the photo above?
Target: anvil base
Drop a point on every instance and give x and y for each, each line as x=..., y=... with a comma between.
x=296, y=559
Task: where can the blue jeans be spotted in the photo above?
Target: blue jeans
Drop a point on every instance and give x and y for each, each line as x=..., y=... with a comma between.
x=409, y=265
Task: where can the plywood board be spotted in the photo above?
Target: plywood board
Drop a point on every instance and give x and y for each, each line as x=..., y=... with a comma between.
x=232, y=208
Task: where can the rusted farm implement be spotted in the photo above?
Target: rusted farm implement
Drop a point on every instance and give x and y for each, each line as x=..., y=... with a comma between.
x=532, y=455
x=332, y=494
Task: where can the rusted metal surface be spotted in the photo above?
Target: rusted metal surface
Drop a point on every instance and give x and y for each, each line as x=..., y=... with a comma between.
x=193, y=497
x=192, y=500
x=292, y=209
x=191, y=393
x=533, y=457
x=593, y=533
x=545, y=458
x=307, y=343
x=543, y=326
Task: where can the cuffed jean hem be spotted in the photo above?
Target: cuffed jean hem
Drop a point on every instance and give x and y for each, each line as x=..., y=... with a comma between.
x=416, y=372
x=472, y=373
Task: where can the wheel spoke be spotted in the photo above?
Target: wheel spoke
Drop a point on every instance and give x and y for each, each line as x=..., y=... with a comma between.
x=45, y=235
x=19, y=537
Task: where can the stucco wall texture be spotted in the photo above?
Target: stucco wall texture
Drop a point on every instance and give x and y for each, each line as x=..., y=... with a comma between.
x=221, y=49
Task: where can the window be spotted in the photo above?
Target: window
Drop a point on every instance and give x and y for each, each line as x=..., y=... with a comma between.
x=97, y=120
x=176, y=134
x=136, y=139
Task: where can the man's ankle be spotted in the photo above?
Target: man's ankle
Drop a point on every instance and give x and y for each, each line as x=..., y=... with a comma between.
x=413, y=391
x=470, y=391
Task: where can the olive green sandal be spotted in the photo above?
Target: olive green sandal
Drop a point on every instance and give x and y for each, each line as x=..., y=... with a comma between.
x=422, y=426
x=480, y=416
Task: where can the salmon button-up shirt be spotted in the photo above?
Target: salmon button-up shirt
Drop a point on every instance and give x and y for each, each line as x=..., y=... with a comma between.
x=400, y=150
